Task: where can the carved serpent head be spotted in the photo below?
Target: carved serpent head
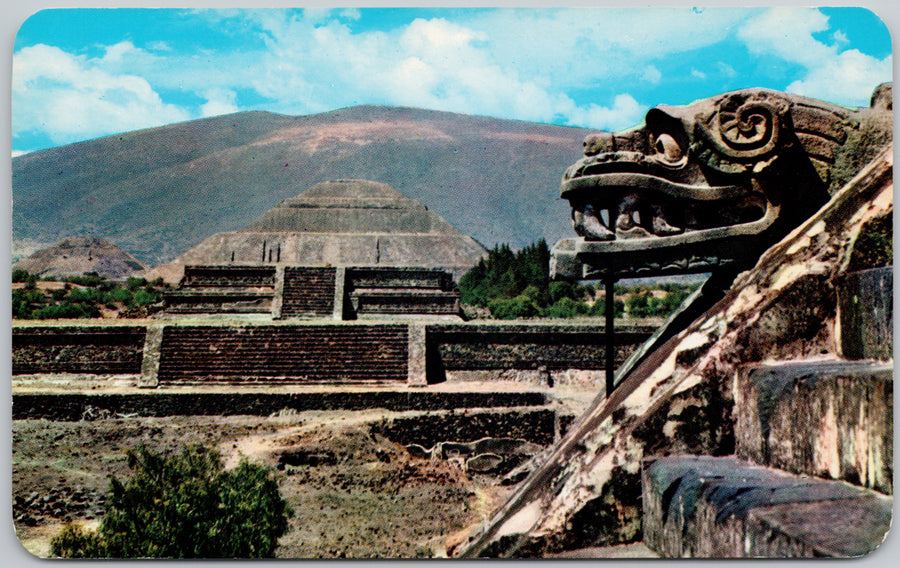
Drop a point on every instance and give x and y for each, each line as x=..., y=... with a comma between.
x=746, y=166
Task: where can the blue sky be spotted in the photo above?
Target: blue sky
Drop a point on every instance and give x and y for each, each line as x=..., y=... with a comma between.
x=84, y=73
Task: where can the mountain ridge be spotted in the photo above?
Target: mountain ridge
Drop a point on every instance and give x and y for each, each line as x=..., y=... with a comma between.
x=156, y=192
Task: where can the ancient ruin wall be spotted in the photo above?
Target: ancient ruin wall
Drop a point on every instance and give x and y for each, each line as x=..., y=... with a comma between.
x=98, y=350
x=307, y=353
x=523, y=346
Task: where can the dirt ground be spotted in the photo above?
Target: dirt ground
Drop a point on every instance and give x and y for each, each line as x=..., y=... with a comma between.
x=355, y=494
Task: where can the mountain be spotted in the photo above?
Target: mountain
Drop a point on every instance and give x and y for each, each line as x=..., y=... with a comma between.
x=76, y=255
x=160, y=191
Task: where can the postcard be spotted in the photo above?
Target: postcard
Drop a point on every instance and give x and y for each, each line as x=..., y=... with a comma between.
x=483, y=282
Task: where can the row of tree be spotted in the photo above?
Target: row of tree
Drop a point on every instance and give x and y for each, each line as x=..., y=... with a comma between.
x=517, y=285
x=82, y=296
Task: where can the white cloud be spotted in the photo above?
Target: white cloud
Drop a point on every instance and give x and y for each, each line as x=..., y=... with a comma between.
x=17, y=153
x=218, y=102
x=842, y=77
x=431, y=63
x=624, y=112
x=848, y=78
x=71, y=99
x=651, y=74
x=697, y=74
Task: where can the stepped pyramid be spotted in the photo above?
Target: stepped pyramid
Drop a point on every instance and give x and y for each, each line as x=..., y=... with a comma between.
x=74, y=256
x=347, y=222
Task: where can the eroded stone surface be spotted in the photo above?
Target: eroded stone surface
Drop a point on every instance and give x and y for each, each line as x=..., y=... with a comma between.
x=831, y=419
x=698, y=506
x=803, y=267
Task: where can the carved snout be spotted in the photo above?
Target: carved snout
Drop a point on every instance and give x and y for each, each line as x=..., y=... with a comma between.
x=598, y=143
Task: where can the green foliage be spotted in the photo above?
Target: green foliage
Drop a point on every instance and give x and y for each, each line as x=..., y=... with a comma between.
x=83, y=300
x=561, y=289
x=645, y=304
x=518, y=307
x=133, y=283
x=66, y=310
x=599, y=308
x=566, y=307
x=20, y=275
x=184, y=506
x=506, y=275
x=118, y=294
x=90, y=279
x=144, y=298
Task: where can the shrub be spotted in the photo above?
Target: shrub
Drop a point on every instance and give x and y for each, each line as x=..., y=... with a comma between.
x=561, y=289
x=133, y=283
x=566, y=308
x=118, y=294
x=67, y=310
x=20, y=275
x=184, y=506
x=599, y=308
x=518, y=307
x=144, y=298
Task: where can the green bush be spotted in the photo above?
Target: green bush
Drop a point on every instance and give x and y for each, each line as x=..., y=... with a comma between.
x=599, y=308
x=184, y=506
x=67, y=310
x=118, y=294
x=133, y=283
x=90, y=279
x=518, y=307
x=566, y=308
x=144, y=298
x=20, y=275
x=561, y=289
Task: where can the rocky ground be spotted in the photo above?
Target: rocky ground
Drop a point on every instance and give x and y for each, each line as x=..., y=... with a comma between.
x=355, y=493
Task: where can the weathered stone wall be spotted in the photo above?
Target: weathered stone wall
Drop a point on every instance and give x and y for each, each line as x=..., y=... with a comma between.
x=540, y=353
x=101, y=350
x=270, y=354
x=866, y=309
x=78, y=406
x=537, y=426
x=700, y=506
x=829, y=419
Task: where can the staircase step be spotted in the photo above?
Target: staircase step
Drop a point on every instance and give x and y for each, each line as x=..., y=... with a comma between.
x=723, y=507
x=831, y=419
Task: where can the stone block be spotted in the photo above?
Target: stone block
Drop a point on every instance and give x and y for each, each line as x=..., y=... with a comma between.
x=700, y=506
x=831, y=419
x=866, y=314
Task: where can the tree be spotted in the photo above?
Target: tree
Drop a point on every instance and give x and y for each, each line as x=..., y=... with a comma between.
x=184, y=506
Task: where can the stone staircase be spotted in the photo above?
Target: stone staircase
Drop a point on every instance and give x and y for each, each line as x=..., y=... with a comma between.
x=401, y=291
x=283, y=354
x=812, y=474
x=308, y=291
x=223, y=290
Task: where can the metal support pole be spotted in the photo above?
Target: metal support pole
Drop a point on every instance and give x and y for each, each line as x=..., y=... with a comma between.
x=610, y=283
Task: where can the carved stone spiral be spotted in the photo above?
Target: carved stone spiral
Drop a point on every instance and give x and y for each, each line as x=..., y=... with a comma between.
x=748, y=128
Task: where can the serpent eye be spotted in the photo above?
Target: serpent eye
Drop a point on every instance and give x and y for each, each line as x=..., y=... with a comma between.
x=669, y=148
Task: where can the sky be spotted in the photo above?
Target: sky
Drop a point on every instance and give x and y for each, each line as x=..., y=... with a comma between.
x=84, y=73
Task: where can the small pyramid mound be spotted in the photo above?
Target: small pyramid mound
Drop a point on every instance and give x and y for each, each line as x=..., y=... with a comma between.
x=76, y=255
x=346, y=222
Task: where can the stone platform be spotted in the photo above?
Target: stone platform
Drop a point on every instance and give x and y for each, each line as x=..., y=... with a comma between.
x=700, y=506
x=826, y=418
